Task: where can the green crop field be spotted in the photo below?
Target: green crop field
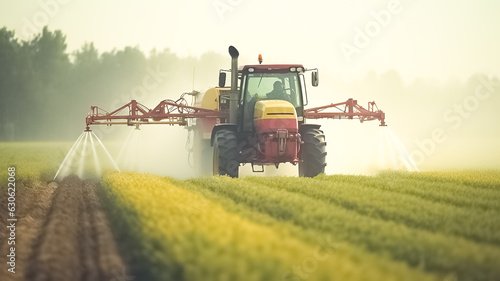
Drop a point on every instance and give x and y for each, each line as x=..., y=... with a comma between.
x=393, y=226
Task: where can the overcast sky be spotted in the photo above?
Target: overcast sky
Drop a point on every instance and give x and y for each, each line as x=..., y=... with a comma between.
x=428, y=38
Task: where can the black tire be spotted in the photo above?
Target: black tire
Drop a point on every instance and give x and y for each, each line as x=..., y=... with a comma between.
x=226, y=154
x=312, y=153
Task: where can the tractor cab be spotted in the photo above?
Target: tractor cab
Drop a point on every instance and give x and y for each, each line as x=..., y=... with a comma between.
x=270, y=82
x=273, y=82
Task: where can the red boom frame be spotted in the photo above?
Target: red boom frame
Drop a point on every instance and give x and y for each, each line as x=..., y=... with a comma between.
x=177, y=112
x=166, y=112
x=349, y=109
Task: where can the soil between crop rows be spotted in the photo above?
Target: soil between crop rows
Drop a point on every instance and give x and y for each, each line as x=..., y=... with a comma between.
x=62, y=234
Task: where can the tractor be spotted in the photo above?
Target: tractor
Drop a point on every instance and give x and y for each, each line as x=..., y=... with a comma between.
x=259, y=119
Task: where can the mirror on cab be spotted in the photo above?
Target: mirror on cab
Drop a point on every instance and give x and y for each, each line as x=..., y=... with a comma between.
x=314, y=78
x=222, y=79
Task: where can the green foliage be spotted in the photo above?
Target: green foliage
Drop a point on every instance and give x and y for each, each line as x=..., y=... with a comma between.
x=394, y=226
x=47, y=91
x=400, y=224
x=180, y=234
x=33, y=160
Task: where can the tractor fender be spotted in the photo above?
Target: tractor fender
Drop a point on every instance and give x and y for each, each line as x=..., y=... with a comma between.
x=218, y=127
x=309, y=127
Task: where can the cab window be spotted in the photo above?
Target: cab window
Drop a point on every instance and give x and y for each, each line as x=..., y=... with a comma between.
x=265, y=86
x=268, y=86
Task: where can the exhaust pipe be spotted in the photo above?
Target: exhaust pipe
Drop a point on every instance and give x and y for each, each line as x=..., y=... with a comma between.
x=233, y=97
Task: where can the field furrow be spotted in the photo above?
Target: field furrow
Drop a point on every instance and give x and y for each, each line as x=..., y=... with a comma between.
x=70, y=244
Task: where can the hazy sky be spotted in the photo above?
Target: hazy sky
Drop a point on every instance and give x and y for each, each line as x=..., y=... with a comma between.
x=418, y=38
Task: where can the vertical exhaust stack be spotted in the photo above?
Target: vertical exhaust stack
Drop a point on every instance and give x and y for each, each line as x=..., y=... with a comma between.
x=233, y=98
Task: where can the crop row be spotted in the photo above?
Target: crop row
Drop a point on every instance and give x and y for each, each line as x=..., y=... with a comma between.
x=187, y=235
x=432, y=251
x=454, y=191
x=477, y=224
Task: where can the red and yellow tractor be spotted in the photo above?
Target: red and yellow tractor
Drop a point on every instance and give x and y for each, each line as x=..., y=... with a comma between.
x=259, y=119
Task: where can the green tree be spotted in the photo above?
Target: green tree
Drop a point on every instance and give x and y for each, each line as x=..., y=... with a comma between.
x=8, y=73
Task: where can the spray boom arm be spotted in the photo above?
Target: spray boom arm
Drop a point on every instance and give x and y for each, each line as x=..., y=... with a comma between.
x=177, y=112
x=349, y=109
x=133, y=113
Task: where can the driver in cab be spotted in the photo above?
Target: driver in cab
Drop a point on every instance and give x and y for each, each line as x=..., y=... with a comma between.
x=278, y=93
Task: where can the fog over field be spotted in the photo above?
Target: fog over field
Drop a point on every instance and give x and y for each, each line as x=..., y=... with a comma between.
x=433, y=67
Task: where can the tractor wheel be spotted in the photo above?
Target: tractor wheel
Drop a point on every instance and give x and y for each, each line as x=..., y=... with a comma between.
x=312, y=153
x=226, y=154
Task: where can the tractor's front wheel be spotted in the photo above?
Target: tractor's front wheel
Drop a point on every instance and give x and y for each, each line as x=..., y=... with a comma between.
x=226, y=154
x=312, y=153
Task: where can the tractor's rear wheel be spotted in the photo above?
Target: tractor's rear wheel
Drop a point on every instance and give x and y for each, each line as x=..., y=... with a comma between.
x=226, y=153
x=312, y=153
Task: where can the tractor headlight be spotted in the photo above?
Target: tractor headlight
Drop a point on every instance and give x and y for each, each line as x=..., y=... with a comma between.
x=293, y=69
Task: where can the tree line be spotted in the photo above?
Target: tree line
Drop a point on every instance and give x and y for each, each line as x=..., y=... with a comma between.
x=46, y=91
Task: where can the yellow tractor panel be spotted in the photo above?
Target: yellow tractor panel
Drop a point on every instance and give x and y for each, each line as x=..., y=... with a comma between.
x=209, y=99
x=274, y=109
